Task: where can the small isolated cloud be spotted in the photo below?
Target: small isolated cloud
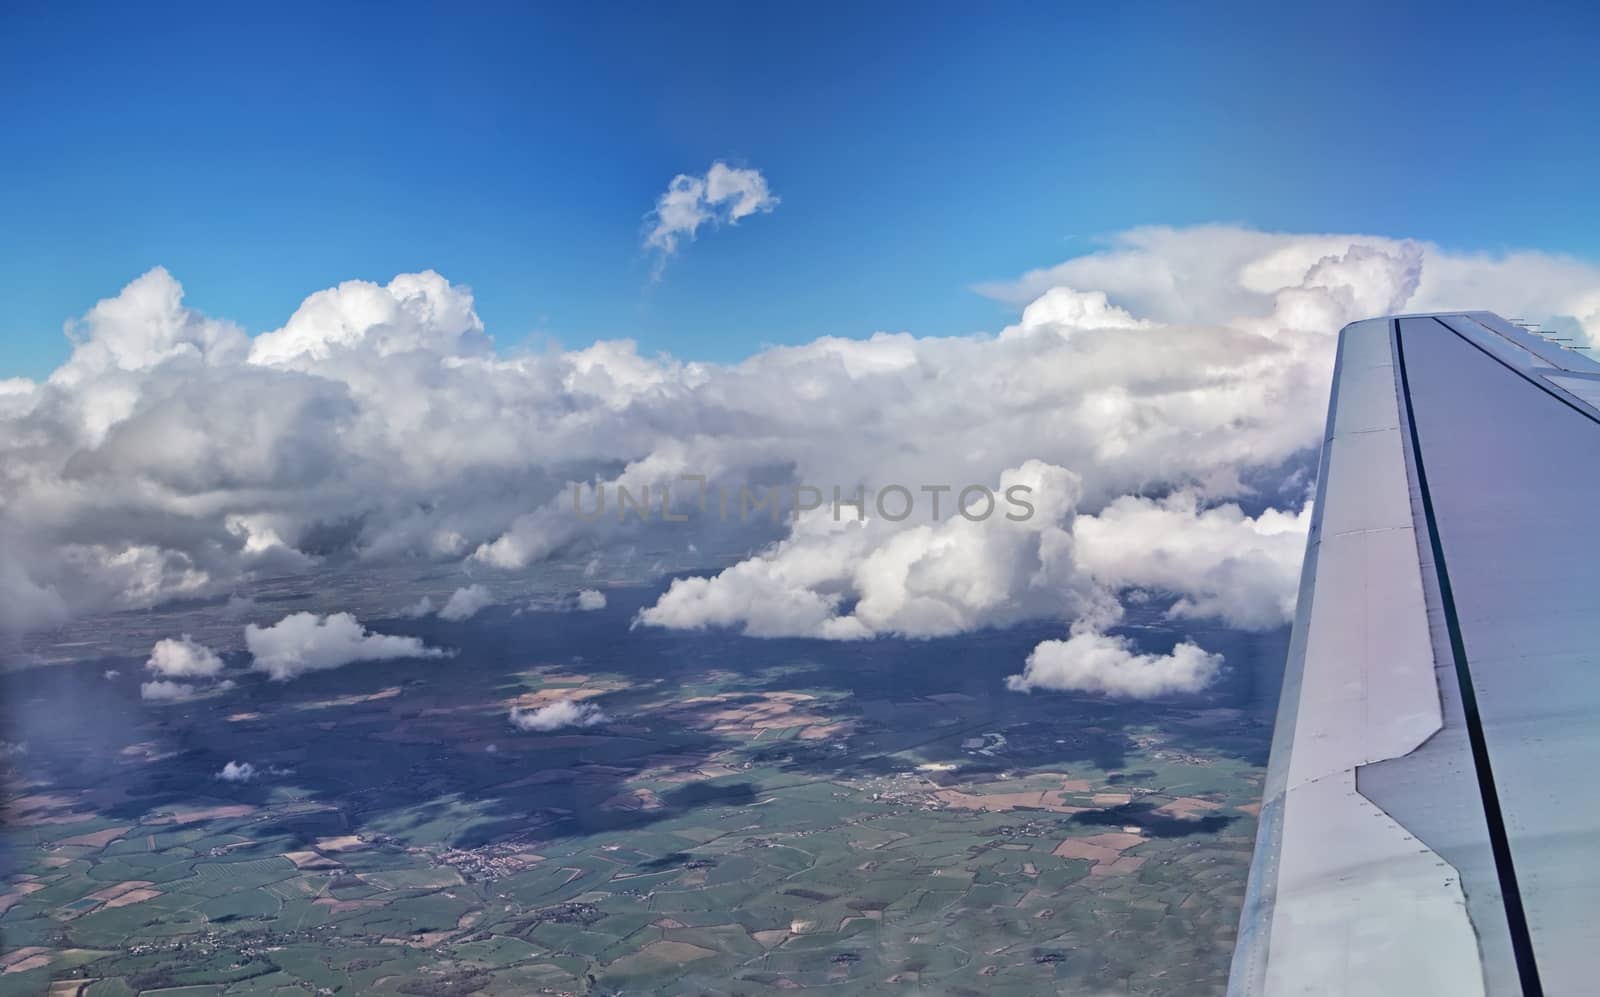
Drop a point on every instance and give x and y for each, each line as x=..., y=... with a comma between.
x=306, y=642
x=564, y=713
x=1089, y=661
x=422, y=607
x=237, y=772
x=465, y=603
x=111, y=673
x=163, y=691
x=723, y=195
x=183, y=658
x=591, y=599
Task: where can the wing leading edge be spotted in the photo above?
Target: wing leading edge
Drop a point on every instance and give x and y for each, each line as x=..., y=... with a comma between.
x=1434, y=777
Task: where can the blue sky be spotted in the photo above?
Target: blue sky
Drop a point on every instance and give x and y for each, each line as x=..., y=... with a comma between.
x=263, y=154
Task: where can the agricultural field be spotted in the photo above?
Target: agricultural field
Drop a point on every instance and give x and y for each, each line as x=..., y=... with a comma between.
x=751, y=817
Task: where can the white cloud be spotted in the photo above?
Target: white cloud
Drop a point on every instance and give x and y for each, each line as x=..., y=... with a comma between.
x=306, y=642
x=111, y=673
x=183, y=658
x=237, y=772
x=162, y=690
x=591, y=599
x=414, y=313
x=465, y=603
x=173, y=457
x=723, y=195
x=846, y=579
x=422, y=607
x=1089, y=661
x=562, y=713
x=1224, y=564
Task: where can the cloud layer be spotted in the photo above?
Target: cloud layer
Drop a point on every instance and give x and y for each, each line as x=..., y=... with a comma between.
x=1151, y=392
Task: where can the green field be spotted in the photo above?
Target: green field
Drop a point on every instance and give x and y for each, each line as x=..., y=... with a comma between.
x=733, y=831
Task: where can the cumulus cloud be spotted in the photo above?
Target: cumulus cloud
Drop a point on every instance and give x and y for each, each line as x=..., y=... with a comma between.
x=722, y=195
x=847, y=578
x=1089, y=661
x=183, y=658
x=171, y=456
x=553, y=716
x=591, y=599
x=237, y=772
x=307, y=642
x=465, y=603
x=1228, y=566
x=422, y=607
x=162, y=690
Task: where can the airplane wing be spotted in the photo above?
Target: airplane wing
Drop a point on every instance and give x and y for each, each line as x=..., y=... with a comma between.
x=1430, y=822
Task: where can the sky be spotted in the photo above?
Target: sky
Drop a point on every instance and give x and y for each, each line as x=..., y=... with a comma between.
x=409, y=287
x=260, y=154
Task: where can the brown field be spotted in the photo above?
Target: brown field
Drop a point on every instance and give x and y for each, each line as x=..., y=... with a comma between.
x=635, y=800
x=10, y=899
x=23, y=959
x=1120, y=840
x=1185, y=807
x=690, y=774
x=340, y=843
x=1104, y=850
x=1053, y=800
x=347, y=906
x=1122, y=866
x=134, y=897
x=1078, y=848
x=117, y=890
x=192, y=814
x=352, y=700
x=659, y=954
x=99, y=839
x=767, y=711
x=32, y=962
x=310, y=860
x=581, y=687
x=39, y=809
x=429, y=939
x=1112, y=799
